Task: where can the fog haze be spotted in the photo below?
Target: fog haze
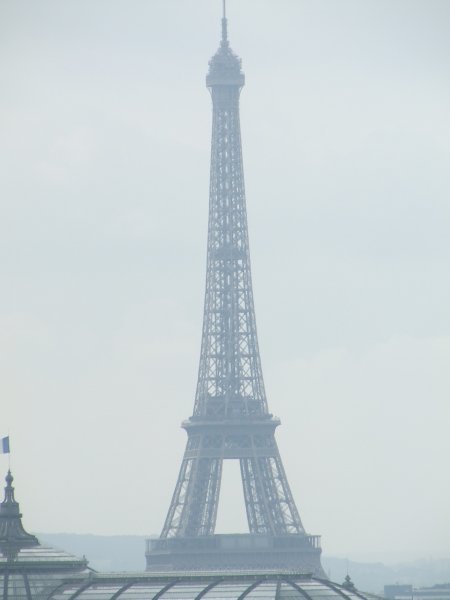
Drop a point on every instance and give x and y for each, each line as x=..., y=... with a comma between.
x=104, y=172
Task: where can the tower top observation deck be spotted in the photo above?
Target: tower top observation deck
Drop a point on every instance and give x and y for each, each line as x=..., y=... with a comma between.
x=225, y=65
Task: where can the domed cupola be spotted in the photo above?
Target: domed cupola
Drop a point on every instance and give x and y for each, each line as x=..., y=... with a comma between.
x=13, y=536
x=28, y=570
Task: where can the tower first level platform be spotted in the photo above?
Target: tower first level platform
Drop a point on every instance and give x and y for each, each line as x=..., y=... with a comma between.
x=243, y=552
x=277, y=539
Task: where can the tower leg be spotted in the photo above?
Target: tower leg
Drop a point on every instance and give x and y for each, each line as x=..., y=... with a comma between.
x=193, y=510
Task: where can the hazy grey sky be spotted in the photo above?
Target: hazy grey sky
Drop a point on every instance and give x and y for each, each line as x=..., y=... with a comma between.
x=104, y=169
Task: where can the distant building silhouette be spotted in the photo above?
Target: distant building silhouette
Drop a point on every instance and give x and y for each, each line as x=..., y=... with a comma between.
x=408, y=592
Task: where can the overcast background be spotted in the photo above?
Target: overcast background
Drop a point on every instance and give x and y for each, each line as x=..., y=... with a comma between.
x=104, y=173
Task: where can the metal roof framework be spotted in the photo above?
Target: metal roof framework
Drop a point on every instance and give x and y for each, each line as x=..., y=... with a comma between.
x=205, y=586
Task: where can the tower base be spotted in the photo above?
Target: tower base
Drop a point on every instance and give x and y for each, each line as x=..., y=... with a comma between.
x=242, y=552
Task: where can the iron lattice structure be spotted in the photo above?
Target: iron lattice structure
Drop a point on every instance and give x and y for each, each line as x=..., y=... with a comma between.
x=231, y=419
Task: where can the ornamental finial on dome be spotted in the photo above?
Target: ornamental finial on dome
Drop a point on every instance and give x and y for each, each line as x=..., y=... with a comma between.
x=9, y=500
x=13, y=536
x=348, y=584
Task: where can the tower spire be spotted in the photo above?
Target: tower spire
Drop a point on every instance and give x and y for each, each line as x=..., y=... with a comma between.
x=224, y=25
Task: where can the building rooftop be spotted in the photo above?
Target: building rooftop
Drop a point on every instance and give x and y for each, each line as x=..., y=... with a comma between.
x=207, y=586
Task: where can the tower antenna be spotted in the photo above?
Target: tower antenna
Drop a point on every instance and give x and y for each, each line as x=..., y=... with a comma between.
x=224, y=24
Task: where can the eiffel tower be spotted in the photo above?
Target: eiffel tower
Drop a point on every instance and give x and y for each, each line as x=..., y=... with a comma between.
x=231, y=419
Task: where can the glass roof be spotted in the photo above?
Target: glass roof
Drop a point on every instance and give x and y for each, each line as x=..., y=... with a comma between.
x=35, y=573
x=43, y=554
x=225, y=591
x=228, y=586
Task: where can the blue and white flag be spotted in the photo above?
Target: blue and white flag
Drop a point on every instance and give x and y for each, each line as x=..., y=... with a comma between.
x=4, y=445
